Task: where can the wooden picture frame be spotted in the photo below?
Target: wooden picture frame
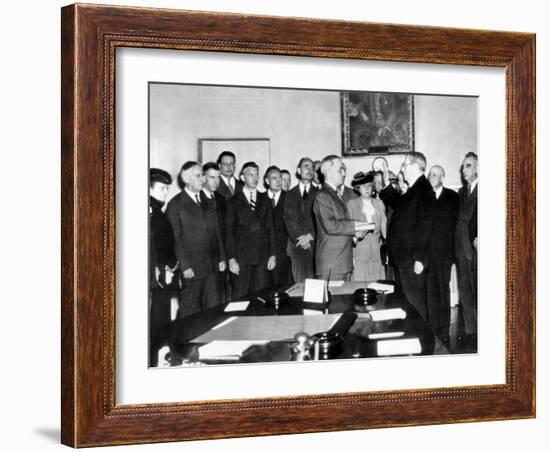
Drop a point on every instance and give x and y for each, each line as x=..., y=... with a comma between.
x=90, y=37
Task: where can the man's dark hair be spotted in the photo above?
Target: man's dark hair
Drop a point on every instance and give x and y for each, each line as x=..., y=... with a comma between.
x=267, y=171
x=472, y=155
x=285, y=172
x=249, y=165
x=225, y=154
x=210, y=165
x=300, y=163
x=273, y=168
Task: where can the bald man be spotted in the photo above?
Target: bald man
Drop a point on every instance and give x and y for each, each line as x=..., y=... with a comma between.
x=441, y=253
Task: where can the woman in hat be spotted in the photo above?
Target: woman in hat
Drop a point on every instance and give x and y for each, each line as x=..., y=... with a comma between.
x=366, y=254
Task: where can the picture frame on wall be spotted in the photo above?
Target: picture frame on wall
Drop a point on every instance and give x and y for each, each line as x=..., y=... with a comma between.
x=377, y=123
x=110, y=55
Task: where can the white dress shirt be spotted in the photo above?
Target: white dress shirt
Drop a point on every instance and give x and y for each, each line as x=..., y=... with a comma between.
x=473, y=186
x=249, y=193
x=229, y=182
x=193, y=195
x=274, y=196
x=303, y=187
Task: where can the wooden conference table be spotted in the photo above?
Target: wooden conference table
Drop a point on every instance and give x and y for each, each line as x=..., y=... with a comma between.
x=356, y=344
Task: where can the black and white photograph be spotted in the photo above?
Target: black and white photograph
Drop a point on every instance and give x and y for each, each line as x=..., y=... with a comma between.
x=301, y=225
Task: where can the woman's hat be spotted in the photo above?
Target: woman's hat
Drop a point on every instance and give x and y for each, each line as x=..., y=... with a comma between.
x=361, y=178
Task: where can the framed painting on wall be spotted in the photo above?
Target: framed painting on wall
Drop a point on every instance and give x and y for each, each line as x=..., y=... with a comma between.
x=377, y=123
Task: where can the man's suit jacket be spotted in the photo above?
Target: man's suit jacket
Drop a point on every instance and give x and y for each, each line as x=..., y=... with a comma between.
x=220, y=205
x=411, y=225
x=467, y=209
x=281, y=236
x=348, y=194
x=335, y=231
x=161, y=240
x=225, y=191
x=250, y=235
x=197, y=235
x=299, y=219
x=445, y=214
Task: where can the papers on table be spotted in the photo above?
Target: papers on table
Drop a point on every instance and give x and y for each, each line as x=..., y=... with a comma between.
x=399, y=347
x=336, y=283
x=315, y=290
x=237, y=306
x=225, y=350
x=381, y=287
x=388, y=335
x=312, y=312
x=388, y=314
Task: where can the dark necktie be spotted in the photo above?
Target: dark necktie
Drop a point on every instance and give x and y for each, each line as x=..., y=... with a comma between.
x=273, y=200
x=231, y=187
x=252, y=202
x=198, y=200
x=304, y=194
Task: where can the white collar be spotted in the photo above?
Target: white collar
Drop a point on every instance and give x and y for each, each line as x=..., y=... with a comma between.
x=273, y=195
x=250, y=192
x=473, y=185
x=208, y=194
x=334, y=188
x=229, y=181
x=411, y=183
x=438, y=191
x=192, y=195
x=304, y=186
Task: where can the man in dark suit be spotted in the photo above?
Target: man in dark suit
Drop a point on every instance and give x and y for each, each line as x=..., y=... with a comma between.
x=441, y=253
x=250, y=236
x=317, y=181
x=335, y=228
x=300, y=222
x=410, y=229
x=162, y=263
x=214, y=200
x=273, y=181
x=229, y=184
x=466, y=247
x=198, y=242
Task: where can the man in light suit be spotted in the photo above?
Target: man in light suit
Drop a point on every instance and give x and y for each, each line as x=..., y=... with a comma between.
x=335, y=228
x=300, y=222
x=229, y=184
x=250, y=236
x=198, y=242
x=466, y=247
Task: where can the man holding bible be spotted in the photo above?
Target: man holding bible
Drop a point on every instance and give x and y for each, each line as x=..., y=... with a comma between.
x=335, y=228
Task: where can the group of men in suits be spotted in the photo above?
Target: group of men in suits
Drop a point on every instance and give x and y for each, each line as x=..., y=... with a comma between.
x=230, y=239
x=431, y=228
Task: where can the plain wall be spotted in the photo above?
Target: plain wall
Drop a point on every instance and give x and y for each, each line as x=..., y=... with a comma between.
x=298, y=123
